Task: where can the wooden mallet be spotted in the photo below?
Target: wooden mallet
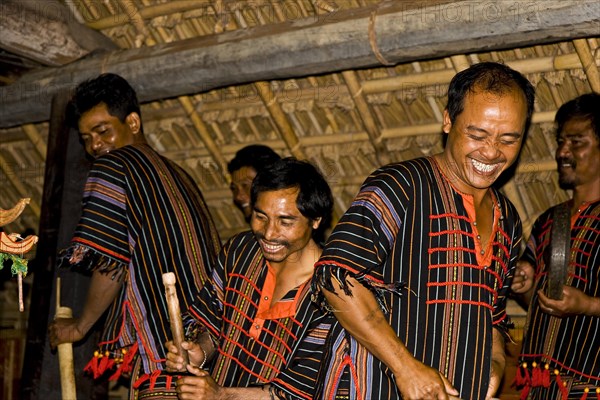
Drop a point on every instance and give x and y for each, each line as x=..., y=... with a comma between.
x=174, y=314
x=65, y=354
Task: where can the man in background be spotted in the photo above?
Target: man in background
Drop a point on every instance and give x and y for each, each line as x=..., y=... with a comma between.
x=561, y=345
x=248, y=162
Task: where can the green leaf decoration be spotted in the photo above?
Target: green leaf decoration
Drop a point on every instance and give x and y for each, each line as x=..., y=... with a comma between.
x=18, y=264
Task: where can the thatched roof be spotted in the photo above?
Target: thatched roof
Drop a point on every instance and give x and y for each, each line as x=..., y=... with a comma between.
x=348, y=117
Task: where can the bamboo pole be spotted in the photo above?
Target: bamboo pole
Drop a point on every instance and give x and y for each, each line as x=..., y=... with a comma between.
x=202, y=130
x=283, y=125
x=149, y=12
x=527, y=66
x=36, y=139
x=366, y=116
x=65, y=354
x=460, y=62
x=588, y=63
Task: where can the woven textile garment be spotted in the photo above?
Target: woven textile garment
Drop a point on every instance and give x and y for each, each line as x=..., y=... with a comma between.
x=142, y=216
x=259, y=342
x=570, y=345
x=410, y=237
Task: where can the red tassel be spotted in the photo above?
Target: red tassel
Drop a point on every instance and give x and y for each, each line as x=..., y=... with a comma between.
x=546, y=376
x=561, y=385
x=92, y=366
x=103, y=365
x=153, y=378
x=518, y=381
x=536, y=375
x=522, y=376
x=169, y=381
x=127, y=362
x=525, y=393
x=141, y=380
x=585, y=394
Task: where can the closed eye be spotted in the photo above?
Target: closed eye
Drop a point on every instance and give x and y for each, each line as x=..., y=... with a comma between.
x=478, y=138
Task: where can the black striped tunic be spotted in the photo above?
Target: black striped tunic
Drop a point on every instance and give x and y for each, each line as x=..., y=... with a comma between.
x=144, y=216
x=259, y=342
x=569, y=345
x=410, y=236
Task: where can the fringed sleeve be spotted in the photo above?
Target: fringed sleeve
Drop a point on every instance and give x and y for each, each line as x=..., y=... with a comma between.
x=86, y=259
x=326, y=274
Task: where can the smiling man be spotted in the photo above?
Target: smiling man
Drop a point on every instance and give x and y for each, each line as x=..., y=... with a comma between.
x=254, y=328
x=562, y=339
x=142, y=216
x=418, y=269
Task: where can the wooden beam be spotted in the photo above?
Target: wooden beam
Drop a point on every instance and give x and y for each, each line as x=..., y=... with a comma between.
x=339, y=41
x=47, y=32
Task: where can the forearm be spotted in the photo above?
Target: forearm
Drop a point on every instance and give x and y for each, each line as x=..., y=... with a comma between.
x=593, y=306
x=101, y=293
x=248, y=393
x=361, y=316
x=498, y=350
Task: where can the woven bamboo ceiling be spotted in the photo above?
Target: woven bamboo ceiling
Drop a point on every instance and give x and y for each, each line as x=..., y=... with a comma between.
x=292, y=74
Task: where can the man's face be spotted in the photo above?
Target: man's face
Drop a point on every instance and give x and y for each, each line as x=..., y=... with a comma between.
x=485, y=139
x=102, y=132
x=241, y=183
x=282, y=231
x=578, y=154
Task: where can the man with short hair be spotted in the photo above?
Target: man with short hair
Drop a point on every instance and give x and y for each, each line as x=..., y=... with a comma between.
x=250, y=322
x=418, y=269
x=142, y=216
x=248, y=162
x=561, y=345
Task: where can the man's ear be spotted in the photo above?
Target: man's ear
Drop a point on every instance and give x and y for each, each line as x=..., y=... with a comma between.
x=316, y=222
x=134, y=122
x=447, y=124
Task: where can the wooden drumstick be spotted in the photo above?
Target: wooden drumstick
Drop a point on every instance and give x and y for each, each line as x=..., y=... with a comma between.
x=65, y=354
x=174, y=314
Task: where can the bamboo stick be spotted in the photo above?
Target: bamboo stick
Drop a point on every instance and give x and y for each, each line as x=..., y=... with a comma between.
x=280, y=119
x=366, y=116
x=527, y=66
x=149, y=12
x=65, y=354
x=174, y=314
x=36, y=139
x=460, y=62
x=202, y=130
x=588, y=63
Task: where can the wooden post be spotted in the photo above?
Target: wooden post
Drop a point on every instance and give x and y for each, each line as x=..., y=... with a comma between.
x=174, y=314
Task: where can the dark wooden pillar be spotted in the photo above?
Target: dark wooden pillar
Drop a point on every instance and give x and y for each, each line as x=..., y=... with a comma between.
x=65, y=174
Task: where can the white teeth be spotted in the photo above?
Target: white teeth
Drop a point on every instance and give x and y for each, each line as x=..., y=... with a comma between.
x=272, y=248
x=479, y=166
